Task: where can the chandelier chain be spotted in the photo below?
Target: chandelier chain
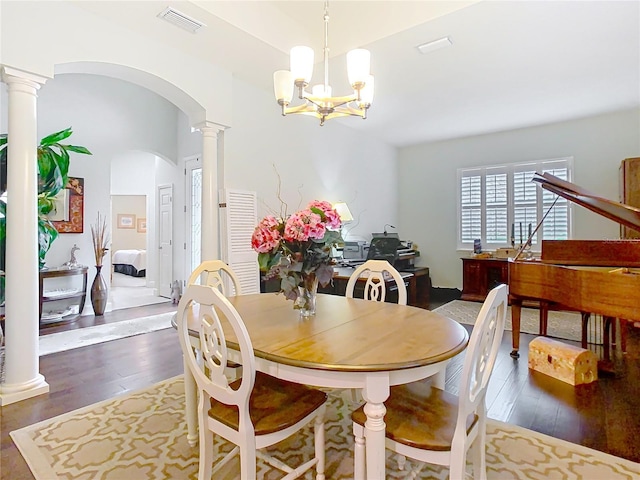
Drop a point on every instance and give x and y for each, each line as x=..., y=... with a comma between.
x=326, y=44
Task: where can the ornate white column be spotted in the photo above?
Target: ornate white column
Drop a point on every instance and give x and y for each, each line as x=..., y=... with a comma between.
x=22, y=377
x=210, y=226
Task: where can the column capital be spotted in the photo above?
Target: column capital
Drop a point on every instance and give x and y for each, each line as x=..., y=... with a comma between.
x=209, y=128
x=15, y=75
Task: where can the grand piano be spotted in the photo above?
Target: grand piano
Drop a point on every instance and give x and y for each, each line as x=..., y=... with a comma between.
x=588, y=276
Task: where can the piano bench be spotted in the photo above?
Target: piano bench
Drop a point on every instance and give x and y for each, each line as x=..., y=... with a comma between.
x=568, y=363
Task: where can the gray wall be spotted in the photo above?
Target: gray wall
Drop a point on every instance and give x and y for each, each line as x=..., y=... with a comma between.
x=427, y=179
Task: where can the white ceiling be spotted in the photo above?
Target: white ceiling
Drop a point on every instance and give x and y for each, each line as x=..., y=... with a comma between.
x=513, y=64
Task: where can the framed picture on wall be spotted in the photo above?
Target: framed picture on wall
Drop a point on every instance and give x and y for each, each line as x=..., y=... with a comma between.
x=68, y=215
x=126, y=220
x=142, y=225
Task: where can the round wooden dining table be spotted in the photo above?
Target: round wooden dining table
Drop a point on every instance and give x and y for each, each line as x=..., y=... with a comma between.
x=349, y=343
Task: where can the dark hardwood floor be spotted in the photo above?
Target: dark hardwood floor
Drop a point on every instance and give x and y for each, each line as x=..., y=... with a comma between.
x=602, y=415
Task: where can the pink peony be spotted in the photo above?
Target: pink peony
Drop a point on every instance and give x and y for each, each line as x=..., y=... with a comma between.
x=266, y=236
x=303, y=225
x=331, y=216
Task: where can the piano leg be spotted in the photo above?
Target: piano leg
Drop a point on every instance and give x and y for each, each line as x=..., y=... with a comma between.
x=606, y=341
x=623, y=334
x=544, y=318
x=585, y=324
x=606, y=364
x=516, y=310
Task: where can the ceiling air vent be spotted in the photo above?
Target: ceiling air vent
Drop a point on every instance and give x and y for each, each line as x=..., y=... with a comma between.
x=181, y=20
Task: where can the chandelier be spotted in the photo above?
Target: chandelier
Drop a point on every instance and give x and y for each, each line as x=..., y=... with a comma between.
x=319, y=103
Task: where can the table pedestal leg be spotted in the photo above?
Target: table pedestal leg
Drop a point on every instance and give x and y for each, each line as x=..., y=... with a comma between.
x=375, y=393
x=191, y=406
x=439, y=378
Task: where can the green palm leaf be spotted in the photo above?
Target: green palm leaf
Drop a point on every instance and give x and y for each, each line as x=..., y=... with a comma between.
x=56, y=137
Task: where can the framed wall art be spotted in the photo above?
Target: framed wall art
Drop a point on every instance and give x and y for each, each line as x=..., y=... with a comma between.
x=68, y=215
x=141, y=225
x=126, y=220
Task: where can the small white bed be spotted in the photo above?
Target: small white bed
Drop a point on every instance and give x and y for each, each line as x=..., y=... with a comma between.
x=130, y=262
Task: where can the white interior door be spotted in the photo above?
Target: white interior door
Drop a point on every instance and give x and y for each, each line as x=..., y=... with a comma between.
x=165, y=241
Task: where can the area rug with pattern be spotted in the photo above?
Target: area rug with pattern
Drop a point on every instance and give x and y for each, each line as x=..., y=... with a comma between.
x=142, y=435
x=567, y=325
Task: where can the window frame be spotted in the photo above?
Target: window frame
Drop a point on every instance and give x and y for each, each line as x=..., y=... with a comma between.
x=510, y=169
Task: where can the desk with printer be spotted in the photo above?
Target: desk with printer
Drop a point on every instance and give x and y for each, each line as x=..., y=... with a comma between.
x=384, y=246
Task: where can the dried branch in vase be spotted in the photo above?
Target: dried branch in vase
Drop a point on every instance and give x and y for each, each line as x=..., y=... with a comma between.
x=100, y=239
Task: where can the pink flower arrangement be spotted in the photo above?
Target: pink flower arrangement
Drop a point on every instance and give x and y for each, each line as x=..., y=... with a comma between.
x=299, y=247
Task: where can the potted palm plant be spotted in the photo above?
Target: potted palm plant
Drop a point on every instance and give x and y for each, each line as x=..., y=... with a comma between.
x=53, y=175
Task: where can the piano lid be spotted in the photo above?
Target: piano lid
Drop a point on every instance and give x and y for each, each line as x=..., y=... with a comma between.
x=618, y=212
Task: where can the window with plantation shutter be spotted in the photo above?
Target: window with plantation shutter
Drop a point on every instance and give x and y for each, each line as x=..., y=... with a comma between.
x=500, y=205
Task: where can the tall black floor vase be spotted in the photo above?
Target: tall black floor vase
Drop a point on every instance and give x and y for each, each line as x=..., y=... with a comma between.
x=99, y=293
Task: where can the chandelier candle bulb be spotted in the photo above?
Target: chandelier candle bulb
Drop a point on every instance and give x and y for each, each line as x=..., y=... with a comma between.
x=283, y=86
x=301, y=64
x=358, y=64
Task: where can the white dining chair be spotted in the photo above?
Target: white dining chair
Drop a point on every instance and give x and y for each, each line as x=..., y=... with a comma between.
x=218, y=274
x=433, y=426
x=253, y=412
x=376, y=271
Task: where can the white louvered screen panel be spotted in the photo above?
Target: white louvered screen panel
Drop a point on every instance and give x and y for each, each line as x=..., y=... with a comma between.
x=495, y=208
x=525, y=205
x=238, y=218
x=471, y=207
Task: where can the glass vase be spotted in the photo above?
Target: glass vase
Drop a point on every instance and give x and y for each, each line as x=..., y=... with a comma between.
x=307, y=291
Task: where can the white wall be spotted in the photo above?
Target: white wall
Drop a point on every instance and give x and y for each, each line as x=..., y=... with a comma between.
x=37, y=36
x=120, y=123
x=3, y=108
x=427, y=179
x=332, y=162
x=128, y=238
x=114, y=115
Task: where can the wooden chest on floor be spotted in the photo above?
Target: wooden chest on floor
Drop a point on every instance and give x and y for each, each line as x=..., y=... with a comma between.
x=571, y=364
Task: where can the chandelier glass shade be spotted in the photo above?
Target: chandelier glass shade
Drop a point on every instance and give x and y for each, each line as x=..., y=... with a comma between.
x=320, y=103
